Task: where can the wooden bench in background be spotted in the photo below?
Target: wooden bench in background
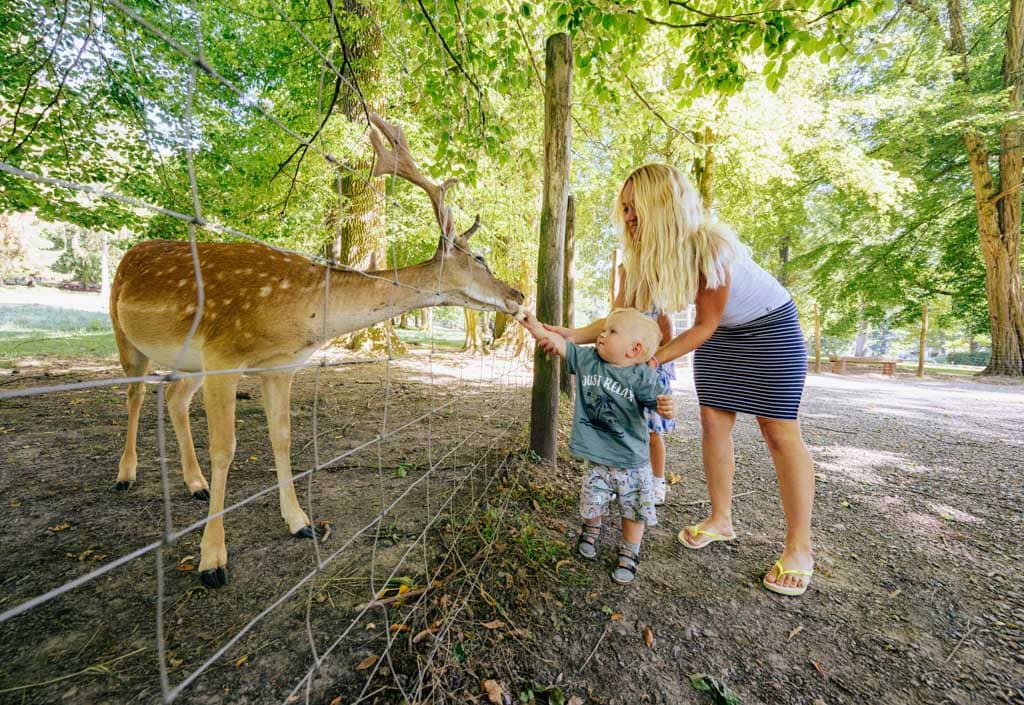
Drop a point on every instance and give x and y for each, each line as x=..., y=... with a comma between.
x=839, y=363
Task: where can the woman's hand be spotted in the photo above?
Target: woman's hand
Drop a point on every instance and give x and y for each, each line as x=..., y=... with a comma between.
x=666, y=406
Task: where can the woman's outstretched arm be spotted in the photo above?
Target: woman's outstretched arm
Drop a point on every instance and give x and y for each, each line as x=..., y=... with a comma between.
x=710, y=304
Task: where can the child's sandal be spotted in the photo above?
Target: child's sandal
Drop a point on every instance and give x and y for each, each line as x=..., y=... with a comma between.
x=625, y=572
x=586, y=544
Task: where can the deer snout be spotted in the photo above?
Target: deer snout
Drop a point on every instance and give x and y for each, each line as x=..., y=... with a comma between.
x=513, y=301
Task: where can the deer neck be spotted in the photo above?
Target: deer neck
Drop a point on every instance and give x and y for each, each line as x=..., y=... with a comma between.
x=356, y=301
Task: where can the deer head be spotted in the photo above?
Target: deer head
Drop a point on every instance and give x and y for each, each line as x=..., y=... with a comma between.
x=464, y=277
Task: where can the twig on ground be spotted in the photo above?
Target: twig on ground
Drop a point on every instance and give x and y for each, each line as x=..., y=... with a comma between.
x=96, y=669
x=391, y=600
x=603, y=635
x=961, y=642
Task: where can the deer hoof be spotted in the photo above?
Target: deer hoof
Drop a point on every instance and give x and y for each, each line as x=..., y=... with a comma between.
x=201, y=494
x=305, y=532
x=123, y=485
x=216, y=578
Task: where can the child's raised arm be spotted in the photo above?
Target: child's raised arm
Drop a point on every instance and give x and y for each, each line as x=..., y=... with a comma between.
x=549, y=341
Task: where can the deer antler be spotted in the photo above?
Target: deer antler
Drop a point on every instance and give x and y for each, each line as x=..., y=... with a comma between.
x=398, y=161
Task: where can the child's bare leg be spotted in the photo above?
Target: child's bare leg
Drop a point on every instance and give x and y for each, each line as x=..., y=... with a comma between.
x=629, y=553
x=657, y=445
x=633, y=533
x=657, y=455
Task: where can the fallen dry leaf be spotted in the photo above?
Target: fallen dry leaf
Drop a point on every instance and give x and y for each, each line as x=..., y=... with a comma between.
x=59, y=527
x=336, y=701
x=240, y=661
x=819, y=668
x=673, y=478
x=395, y=628
x=494, y=624
x=494, y=691
x=575, y=700
x=615, y=616
x=367, y=662
x=796, y=630
x=649, y=637
x=186, y=567
x=423, y=635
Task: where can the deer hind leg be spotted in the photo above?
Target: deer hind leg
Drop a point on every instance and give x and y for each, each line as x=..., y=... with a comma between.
x=277, y=390
x=219, y=397
x=179, y=396
x=135, y=364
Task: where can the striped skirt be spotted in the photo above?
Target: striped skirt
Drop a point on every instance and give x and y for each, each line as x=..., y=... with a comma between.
x=756, y=368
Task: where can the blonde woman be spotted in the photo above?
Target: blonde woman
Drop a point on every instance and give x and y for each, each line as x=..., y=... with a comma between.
x=750, y=352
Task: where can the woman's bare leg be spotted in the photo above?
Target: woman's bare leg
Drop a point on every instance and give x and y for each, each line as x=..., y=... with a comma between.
x=795, y=471
x=719, y=468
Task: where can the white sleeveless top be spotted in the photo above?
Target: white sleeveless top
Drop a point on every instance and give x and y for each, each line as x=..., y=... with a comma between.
x=753, y=293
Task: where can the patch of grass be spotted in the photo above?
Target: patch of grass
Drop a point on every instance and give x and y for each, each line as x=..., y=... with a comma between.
x=442, y=337
x=33, y=330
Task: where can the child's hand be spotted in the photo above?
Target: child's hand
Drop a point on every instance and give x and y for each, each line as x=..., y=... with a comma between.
x=666, y=406
x=529, y=321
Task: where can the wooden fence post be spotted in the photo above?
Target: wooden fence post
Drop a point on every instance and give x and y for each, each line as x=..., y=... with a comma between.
x=550, y=267
x=565, y=380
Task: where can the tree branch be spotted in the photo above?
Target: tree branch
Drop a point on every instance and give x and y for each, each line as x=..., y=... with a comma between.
x=479, y=92
x=656, y=114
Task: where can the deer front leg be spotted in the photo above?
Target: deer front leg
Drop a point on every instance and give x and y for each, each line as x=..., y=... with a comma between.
x=219, y=397
x=277, y=391
x=129, y=458
x=179, y=396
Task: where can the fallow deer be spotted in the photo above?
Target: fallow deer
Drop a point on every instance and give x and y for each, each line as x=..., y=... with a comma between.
x=264, y=308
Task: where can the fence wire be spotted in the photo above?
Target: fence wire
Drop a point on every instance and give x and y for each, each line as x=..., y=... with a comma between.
x=435, y=512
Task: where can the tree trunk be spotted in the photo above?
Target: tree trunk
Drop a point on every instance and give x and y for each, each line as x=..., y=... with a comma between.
x=998, y=199
x=359, y=240
x=501, y=321
x=704, y=166
x=861, y=342
x=565, y=380
x=473, y=341
x=783, y=276
x=557, y=140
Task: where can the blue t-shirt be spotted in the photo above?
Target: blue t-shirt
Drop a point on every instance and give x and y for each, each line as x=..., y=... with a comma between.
x=608, y=425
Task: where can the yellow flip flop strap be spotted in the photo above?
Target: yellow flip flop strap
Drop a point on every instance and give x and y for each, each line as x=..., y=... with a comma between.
x=782, y=571
x=696, y=531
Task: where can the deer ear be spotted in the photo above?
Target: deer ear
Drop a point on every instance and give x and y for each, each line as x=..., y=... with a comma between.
x=444, y=245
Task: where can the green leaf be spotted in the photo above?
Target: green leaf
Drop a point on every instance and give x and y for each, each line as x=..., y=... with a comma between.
x=721, y=694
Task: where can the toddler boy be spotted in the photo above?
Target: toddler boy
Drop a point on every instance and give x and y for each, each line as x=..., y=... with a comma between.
x=613, y=387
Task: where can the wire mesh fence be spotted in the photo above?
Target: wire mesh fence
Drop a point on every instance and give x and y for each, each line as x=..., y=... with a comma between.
x=396, y=461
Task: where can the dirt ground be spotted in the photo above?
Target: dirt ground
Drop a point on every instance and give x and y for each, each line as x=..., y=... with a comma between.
x=917, y=596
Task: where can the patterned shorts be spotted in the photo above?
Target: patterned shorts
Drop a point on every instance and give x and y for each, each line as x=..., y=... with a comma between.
x=633, y=486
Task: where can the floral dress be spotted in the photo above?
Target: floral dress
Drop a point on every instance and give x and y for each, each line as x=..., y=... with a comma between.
x=666, y=373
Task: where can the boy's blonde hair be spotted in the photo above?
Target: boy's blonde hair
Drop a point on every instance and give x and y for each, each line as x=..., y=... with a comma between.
x=644, y=330
x=678, y=243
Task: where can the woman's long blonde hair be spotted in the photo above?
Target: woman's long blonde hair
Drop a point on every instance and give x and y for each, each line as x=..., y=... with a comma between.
x=678, y=244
